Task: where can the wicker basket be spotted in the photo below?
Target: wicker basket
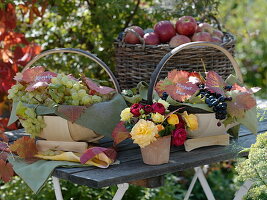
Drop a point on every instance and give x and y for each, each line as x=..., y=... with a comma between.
x=135, y=63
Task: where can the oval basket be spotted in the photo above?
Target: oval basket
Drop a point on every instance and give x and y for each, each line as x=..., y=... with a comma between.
x=136, y=62
x=59, y=129
x=207, y=121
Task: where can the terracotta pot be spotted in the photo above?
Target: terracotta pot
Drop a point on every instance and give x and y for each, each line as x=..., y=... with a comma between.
x=158, y=152
x=59, y=129
x=207, y=126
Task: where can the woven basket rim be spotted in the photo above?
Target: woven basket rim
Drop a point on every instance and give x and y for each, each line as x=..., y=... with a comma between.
x=228, y=39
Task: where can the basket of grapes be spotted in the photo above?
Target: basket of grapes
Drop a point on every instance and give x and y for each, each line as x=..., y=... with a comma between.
x=218, y=104
x=60, y=107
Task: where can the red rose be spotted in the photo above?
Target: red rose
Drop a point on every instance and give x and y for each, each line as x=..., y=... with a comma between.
x=159, y=108
x=181, y=123
x=135, y=109
x=148, y=109
x=178, y=137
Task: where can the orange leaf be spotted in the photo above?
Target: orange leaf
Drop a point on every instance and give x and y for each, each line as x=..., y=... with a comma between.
x=6, y=171
x=120, y=133
x=25, y=147
x=178, y=76
x=30, y=74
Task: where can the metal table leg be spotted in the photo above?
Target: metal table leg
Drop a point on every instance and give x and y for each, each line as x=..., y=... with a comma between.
x=122, y=188
x=57, y=188
x=199, y=174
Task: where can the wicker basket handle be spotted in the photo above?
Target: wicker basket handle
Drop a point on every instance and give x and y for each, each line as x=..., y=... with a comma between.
x=165, y=59
x=81, y=52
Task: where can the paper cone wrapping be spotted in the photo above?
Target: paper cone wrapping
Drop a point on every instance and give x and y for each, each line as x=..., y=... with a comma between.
x=158, y=152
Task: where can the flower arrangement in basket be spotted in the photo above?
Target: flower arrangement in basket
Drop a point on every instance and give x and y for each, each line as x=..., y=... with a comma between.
x=66, y=111
x=153, y=127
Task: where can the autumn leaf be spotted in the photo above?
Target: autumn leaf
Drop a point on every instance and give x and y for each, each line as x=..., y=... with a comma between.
x=240, y=103
x=4, y=147
x=41, y=80
x=176, y=76
x=72, y=113
x=36, y=85
x=215, y=83
x=195, y=77
x=9, y=16
x=6, y=55
x=181, y=91
x=161, y=86
x=6, y=171
x=93, y=151
x=120, y=133
x=30, y=74
x=25, y=147
x=93, y=86
x=3, y=155
x=244, y=89
x=13, y=38
x=23, y=55
x=3, y=137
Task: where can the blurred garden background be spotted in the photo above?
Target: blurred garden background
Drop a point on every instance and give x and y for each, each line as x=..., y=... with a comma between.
x=93, y=25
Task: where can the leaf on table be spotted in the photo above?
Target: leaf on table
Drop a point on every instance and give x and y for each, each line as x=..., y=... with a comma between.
x=181, y=91
x=72, y=113
x=25, y=147
x=6, y=171
x=176, y=76
x=92, y=152
x=215, y=83
x=30, y=74
x=120, y=133
x=93, y=86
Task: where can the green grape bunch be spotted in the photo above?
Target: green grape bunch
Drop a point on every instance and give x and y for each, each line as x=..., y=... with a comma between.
x=59, y=89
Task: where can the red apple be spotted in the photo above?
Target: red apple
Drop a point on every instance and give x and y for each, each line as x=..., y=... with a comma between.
x=151, y=38
x=204, y=27
x=131, y=38
x=165, y=31
x=217, y=33
x=186, y=25
x=178, y=40
x=216, y=39
x=201, y=36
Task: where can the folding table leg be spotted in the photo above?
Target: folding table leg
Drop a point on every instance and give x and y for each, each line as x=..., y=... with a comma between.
x=203, y=181
x=57, y=188
x=122, y=188
x=243, y=190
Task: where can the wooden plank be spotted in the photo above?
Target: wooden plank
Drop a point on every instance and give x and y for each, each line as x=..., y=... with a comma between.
x=136, y=169
x=150, y=182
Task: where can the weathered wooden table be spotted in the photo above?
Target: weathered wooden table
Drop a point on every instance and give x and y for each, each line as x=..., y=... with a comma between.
x=131, y=168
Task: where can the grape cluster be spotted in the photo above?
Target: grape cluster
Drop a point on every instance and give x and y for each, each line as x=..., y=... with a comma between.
x=215, y=101
x=32, y=123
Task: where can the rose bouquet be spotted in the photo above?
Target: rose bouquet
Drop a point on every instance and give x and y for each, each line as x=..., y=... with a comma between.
x=150, y=125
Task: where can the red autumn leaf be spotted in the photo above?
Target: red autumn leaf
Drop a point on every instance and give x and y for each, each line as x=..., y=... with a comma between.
x=9, y=16
x=4, y=147
x=195, y=77
x=176, y=76
x=215, y=83
x=93, y=86
x=70, y=76
x=6, y=77
x=120, y=133
x=6, y=55
x=25, y=147
x=181, y=91
x=23, y=55
x=92, y=152
x=30, y=74
x=3, y=136
x=13, y=38
x=36, y=85
x=3, y=155
x=6, y=171
x=240, y=103
x=72, y=113
x=244, y=89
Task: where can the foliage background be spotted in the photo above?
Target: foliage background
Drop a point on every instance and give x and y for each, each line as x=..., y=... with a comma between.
x=93, y=24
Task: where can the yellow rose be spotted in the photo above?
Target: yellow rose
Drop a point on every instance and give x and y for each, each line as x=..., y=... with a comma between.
x=173, y=119
x=191, y=121
x=126, y=114
x=143, y=133
x=157, y=118
x=164, y=103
